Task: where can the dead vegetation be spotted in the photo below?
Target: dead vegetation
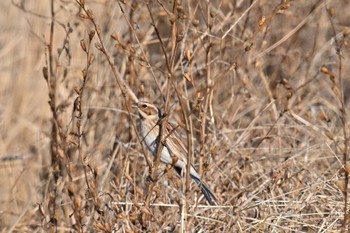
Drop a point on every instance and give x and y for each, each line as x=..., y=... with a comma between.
x=259, y=89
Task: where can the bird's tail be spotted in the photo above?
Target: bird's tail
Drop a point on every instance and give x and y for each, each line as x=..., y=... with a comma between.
x=208, y=194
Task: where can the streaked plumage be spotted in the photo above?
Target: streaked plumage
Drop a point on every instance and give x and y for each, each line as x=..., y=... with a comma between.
x=174, y=148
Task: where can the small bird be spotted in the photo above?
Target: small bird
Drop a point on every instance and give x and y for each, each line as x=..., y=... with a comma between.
x=174, y=151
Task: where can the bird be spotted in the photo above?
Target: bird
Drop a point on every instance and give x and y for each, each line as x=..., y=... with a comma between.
x=174, y=151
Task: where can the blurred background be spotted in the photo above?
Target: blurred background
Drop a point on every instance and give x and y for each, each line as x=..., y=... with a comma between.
x=261, y=84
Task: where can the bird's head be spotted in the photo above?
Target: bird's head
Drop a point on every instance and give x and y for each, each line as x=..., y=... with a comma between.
x=147, y=110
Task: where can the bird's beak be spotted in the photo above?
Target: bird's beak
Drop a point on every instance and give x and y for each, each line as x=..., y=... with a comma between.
x=134, y=105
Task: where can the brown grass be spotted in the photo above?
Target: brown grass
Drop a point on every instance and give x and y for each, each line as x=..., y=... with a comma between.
x=259, y=89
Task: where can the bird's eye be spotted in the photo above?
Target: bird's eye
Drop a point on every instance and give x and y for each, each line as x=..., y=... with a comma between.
x=144, y=105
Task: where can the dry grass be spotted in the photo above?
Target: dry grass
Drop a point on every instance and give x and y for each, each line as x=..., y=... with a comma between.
x=257, y=87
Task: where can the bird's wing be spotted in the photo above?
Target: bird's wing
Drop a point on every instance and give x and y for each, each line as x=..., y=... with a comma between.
x=176, y=148
x=174, y=142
